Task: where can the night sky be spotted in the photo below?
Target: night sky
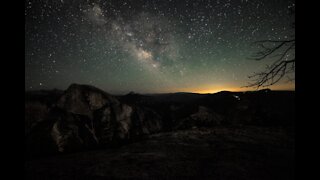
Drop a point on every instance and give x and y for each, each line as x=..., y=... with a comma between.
x=150, y=46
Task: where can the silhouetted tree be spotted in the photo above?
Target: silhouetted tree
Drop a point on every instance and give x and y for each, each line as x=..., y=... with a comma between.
x=284, y=64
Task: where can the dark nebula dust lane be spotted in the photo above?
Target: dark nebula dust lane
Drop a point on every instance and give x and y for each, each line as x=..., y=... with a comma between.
x=150, y=46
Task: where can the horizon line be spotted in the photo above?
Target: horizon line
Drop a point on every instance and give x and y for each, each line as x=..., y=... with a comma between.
x=174, y=92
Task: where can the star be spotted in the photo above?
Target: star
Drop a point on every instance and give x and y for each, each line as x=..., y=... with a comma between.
x=165, y=45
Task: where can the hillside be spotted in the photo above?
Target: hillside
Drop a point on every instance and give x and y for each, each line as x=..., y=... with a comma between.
x=87, y=133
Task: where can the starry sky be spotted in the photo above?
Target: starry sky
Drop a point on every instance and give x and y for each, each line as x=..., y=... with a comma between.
x=150, y=46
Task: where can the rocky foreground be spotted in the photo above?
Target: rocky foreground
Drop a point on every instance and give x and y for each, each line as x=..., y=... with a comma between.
x=86, y=133
x=209, y=153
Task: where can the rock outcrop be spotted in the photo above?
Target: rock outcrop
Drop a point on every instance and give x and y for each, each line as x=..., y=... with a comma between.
x=85, y=117
x=85, y=99
x=204, y=117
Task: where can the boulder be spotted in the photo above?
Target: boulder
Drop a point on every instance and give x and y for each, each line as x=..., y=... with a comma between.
x=85, y=117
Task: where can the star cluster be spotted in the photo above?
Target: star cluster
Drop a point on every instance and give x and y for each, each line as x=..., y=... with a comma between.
x=149, y=46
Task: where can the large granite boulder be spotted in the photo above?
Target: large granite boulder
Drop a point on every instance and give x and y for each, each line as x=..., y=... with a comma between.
x=85, y=99
x=85, y=117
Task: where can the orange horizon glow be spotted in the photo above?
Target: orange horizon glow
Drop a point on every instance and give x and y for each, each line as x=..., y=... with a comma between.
x=209, y=90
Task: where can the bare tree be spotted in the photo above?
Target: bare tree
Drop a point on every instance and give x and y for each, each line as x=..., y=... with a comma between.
x=282, y=52
x=284, y=64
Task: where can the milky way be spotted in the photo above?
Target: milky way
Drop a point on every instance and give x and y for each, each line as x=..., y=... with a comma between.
x=150, y=46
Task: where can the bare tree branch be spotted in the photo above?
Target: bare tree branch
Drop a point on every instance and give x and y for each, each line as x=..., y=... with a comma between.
x=273, y=74
x=276, y=45
x=282, y=52
x=280, y=67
